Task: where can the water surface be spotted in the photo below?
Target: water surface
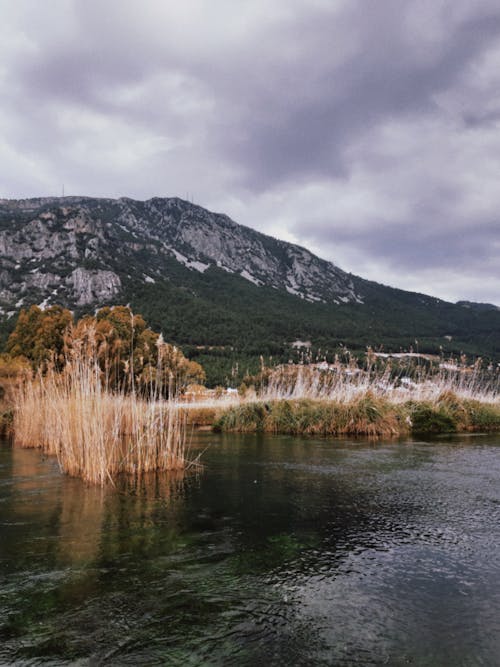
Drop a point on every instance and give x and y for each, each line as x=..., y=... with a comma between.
x=283, y=551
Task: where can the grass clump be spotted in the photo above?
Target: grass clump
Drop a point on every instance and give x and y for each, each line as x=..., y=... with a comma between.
x=367, y=415
x=282, y=417
x=483, y=416
x=452, y=413
x=428, y=419
x=243, y=418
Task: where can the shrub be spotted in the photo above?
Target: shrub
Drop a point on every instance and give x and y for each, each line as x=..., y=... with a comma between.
x=427, y=419
x=244, y=418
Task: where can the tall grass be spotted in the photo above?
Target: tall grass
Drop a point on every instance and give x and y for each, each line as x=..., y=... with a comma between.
x=349, y=401
x=95, y=432
x=344, y=384
x=365, y=415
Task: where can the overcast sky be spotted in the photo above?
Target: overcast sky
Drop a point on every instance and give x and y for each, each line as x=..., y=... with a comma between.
x=367, y=131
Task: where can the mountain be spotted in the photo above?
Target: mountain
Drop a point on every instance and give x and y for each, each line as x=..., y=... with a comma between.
x=66, y=249
x=477, y=306
x=219, y=289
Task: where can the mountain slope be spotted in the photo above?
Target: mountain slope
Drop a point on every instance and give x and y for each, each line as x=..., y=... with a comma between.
x=207, y=281
x=44, y=239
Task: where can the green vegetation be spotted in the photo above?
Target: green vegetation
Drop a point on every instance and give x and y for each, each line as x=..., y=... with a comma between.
x=388, y=397
x=129, y=353
x=226, y=323
x=365, y=415
x=428, y=419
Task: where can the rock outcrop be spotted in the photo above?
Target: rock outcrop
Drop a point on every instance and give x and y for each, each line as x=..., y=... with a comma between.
x=79, y=251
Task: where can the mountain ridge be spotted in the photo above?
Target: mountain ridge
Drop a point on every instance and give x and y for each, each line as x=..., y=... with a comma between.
x=206, y=238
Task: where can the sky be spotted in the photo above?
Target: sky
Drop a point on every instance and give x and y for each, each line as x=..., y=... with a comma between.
x=366, y=130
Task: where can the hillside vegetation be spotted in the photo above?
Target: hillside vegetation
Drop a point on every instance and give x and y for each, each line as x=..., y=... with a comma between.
x=224, y=293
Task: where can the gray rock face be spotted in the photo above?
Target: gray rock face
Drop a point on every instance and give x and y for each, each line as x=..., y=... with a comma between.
x=93, y=286
x=210, y=238
x=79, y=251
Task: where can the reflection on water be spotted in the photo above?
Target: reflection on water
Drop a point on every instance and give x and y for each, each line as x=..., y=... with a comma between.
x=281, y=550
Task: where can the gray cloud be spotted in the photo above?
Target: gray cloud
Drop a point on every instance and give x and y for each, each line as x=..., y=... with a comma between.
x=307, y=134
x=368, y=131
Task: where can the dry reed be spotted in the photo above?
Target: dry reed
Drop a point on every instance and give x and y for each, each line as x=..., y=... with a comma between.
x=345, y=385
x=340, y=401
x=94, y=432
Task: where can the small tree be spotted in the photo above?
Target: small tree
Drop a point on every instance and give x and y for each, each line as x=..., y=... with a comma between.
x=39, y=334
x=131, y=355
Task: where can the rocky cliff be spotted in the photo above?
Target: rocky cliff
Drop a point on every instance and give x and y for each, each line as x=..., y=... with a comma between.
x=76, y=251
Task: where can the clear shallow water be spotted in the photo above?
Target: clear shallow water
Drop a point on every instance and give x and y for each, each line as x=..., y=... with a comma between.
x=282, y=551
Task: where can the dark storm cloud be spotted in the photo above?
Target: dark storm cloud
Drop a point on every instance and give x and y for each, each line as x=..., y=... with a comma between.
x=368, y=131
x=306, y=133
x=423, y=248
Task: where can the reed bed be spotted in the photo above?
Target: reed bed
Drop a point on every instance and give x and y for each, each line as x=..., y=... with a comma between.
x=311, y=401
x=204, y=413
x=345, y=385
x=365, y=415
x=94, y=432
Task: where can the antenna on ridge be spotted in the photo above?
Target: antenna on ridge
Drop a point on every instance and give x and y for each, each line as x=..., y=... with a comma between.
x=63, y=189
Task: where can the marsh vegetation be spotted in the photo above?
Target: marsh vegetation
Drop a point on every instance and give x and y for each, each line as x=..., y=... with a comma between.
x=309, y=400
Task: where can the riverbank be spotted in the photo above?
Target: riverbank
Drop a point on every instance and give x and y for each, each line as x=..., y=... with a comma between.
x=366, y=415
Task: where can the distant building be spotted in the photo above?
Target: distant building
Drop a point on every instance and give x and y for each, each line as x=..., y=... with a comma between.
x=298, y=344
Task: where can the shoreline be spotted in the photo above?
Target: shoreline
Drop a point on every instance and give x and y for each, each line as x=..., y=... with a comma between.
x=367, y=415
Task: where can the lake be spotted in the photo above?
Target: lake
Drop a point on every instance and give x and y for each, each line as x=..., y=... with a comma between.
x=282, y=551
